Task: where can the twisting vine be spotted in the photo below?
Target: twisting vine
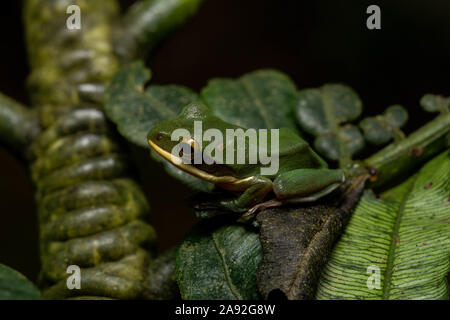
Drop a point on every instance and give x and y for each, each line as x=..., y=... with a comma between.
x=90, y=212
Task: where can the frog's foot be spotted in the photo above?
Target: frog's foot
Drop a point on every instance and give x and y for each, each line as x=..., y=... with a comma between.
x=209, y=210
x=207, y=205
x=208, y=201
x=259, y=207
x=279, y=202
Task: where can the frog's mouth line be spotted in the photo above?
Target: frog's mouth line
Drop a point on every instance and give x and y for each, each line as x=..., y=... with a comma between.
x=226, y=182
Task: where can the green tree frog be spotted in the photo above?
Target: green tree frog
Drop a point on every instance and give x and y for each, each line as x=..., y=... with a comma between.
x=302, y=176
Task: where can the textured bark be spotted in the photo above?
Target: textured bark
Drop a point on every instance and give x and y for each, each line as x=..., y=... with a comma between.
x=91, y=213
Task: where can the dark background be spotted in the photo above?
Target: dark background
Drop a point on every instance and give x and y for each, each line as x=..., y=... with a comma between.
x=314, y=42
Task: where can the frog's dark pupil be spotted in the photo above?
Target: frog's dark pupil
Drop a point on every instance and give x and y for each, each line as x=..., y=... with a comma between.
x=192, y=151
x=186, y=149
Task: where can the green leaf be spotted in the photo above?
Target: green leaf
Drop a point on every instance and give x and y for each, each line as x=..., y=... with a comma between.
x=435, y=103
x=135, y=110
x=322, y=112
x=260, y=99
x=217, y=261
x=14, y=286
x=383, y=128
x=404, y=233
x=328, y=144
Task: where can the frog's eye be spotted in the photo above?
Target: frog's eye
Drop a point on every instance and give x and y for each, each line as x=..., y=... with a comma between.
x=188, y=147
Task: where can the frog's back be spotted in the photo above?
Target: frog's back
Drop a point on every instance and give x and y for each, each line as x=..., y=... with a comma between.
x=293, y=153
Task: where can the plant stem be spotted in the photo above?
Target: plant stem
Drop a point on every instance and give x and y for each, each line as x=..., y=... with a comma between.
x=91, y=212
x=18, y=125
x=400, y=158
x=148, y=22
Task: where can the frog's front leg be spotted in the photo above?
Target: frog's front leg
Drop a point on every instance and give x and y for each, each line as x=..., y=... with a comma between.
x=258, y=188
x=304, y=185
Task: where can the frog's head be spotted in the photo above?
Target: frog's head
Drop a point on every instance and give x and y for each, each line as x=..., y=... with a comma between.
x=160, y=137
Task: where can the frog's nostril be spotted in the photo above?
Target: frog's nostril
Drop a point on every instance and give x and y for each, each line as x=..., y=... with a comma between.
x=159, y=136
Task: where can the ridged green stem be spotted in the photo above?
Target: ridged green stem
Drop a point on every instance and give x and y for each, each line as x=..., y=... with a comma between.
x=402, y=157
x=147, y=22
x=91, y=213
x=18, y=125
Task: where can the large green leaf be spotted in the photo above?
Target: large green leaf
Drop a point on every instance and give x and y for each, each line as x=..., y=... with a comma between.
x=260, y=99
x=217, y=261
x=405, y=233
x=14, y=286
